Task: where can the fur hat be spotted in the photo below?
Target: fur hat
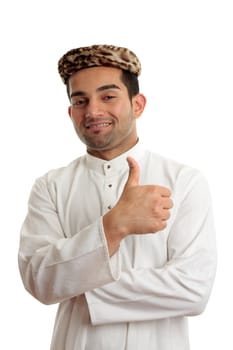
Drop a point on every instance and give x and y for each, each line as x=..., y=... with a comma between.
x=97, y=55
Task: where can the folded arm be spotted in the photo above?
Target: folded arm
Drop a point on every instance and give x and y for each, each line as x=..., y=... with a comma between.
x=53, y=266
x=179, y=288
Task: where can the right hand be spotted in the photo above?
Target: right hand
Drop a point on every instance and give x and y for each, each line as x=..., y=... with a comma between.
x=140, y=209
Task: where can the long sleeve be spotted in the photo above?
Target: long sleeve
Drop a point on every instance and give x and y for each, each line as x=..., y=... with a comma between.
x=182, y=285
x=153, y=279
x=54, y=264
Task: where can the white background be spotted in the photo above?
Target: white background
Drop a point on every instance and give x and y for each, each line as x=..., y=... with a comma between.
x=186, y=50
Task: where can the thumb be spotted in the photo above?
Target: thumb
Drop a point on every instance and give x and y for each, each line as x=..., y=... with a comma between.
x=134, y=173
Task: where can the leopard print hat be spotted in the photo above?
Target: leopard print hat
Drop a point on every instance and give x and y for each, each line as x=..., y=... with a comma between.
x=97, y=55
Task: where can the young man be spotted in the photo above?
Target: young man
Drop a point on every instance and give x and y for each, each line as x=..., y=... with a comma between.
x=123, y=239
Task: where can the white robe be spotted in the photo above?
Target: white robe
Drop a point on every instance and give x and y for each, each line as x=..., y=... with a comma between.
x=140, y=297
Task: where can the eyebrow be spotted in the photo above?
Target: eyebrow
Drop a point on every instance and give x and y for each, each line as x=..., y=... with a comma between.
x=101, y=88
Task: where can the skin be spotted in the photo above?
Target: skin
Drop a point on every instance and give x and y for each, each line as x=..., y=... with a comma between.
x=104, y=119
x=98, y=96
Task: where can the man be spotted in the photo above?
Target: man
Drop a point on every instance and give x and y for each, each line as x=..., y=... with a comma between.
x=122, y=238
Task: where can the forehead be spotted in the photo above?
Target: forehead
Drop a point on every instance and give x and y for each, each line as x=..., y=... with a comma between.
x=92, y=78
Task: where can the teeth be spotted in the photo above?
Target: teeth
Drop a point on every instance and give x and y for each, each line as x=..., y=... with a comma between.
x=98, y=125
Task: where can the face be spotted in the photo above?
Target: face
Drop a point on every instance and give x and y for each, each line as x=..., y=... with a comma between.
x=103, y=115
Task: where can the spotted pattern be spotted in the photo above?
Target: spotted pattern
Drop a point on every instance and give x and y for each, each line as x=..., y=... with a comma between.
x=97, y=55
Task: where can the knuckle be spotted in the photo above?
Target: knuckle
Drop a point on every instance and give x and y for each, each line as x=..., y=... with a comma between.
x=159, y=225
x=164, y=224
x=171, y=204
x=167, y=215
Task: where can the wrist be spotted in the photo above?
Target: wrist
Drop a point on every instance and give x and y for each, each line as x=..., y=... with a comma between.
x=114, y=231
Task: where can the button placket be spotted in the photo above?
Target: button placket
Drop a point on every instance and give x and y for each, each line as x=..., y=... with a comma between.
x=108, y=187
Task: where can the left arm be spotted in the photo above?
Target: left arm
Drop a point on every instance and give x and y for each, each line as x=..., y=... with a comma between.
x=179, y=288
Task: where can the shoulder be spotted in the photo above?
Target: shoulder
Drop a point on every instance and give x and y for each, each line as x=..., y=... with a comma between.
x=167, y=167
x=61, y=176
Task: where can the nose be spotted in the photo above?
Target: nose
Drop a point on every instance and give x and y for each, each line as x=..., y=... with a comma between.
x=94, y=109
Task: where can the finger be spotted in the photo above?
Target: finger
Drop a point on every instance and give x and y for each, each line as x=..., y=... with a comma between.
x=165, y=192
x=134, y=173
x=165, y=215
x=167, y=203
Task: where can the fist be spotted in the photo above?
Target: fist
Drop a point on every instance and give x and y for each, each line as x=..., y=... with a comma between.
x=143, y=209
x=140, y=210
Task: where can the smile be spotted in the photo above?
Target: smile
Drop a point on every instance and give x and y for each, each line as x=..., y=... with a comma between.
x=97, y=125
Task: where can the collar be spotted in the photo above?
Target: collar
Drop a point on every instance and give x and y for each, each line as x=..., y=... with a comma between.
x=116, y=165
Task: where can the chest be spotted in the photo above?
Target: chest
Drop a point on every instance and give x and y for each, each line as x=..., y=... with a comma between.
x=90, y=196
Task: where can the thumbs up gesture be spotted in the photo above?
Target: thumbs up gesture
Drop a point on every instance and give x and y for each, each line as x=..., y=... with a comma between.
x=140, y=209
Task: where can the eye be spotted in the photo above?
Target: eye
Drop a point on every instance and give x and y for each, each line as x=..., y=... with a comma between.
x=108, y=97
x=80, y=102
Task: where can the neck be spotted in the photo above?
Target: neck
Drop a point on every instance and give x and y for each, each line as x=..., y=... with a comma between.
x=110, y=153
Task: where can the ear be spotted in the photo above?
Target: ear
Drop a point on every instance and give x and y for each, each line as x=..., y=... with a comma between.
x=70, y=111
x=139, y=103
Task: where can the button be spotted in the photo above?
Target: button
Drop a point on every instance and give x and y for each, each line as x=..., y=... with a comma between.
x=109, y=207
x=110, y=185
x=107, y=168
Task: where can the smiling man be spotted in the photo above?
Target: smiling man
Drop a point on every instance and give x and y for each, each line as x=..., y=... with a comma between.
x=122, y=238
x=103, y=116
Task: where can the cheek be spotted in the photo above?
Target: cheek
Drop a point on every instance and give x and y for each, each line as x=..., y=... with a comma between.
x=121, y=109
x=76, y=118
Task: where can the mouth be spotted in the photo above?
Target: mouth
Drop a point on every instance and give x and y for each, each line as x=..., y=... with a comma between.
x=97, y=125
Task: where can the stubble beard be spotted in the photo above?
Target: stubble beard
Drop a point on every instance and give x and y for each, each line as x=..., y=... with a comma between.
x=96, y=141
x=106, y=141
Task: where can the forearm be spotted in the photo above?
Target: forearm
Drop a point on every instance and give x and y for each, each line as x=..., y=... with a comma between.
x=66, y=268
x=59, y=261
x=180, y=288
x=182, y=283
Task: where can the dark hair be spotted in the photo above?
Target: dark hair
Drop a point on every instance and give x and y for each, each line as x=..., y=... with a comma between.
x=130, y=80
